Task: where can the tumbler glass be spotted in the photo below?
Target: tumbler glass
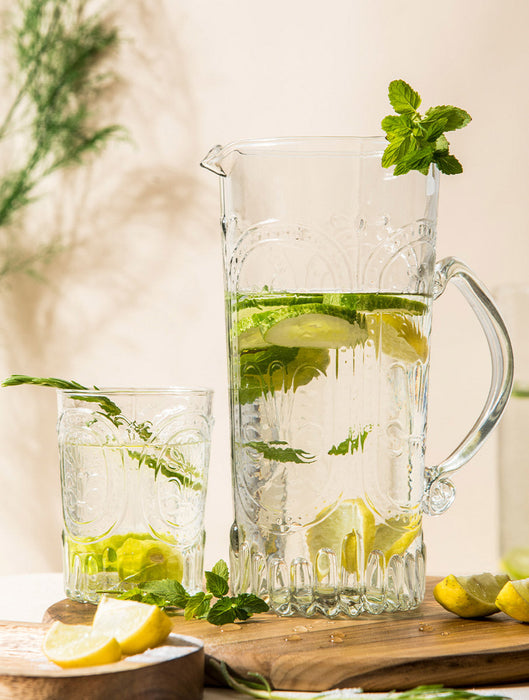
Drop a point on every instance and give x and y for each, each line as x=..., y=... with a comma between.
x=134, y=466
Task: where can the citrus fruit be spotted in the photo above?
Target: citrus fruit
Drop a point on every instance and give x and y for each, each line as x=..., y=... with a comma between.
x=73, y=646
x=337, y=529
x=395, y=535
x=136, y=626
x=470, y=596
x=148, y=560
x=516, y=563
x=513, y=599
x=394, y=333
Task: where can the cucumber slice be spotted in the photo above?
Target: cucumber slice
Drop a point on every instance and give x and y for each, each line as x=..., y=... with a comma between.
x=313, y=326
x=375, y=302
x=260, y=300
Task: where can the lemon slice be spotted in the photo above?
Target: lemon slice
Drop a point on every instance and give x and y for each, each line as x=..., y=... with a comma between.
x=337, y=529
x=470, y=596
x=136, y=626
x=148, y=560
x=395, y=334
x=396, y=535
x=513, y=599
x=71, y=646
x=516, y=563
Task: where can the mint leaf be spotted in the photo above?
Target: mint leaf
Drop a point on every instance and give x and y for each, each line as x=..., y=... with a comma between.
x=454, y=117
x=169, y=590
x=275, y=451
x=449, y=164
x=221, y=569
x=222, y=612
x=215, y=584
x=402, y=97
x=352, y=443
x=250, y=603
x=417, y=142
x=197, y=606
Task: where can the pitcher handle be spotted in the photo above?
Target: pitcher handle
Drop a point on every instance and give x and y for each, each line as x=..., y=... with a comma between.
x=439, y=491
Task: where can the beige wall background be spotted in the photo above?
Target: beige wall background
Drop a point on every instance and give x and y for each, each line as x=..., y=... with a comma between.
x=135, y=295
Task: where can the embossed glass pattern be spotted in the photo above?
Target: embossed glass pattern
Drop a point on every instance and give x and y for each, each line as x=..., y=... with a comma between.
x=133, y=477
x=330, y=277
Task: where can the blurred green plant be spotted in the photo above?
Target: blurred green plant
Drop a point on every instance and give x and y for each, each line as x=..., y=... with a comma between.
x=51, y=124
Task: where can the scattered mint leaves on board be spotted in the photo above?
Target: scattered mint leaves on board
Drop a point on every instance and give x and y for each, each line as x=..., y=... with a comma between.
x=416, y=141
x=171, y=596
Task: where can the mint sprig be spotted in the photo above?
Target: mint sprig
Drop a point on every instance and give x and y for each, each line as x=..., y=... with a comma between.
x=416, y=141
x=170, y=595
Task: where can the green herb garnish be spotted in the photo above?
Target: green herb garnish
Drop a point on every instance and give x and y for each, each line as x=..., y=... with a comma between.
x=187, y=476
x=275, y=451
x=170, y=595
x=353, y=442
x=416, y=141
x=256, y=686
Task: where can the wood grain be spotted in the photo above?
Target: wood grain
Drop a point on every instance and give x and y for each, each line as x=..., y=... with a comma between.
x=378, y=653
x=172, y=671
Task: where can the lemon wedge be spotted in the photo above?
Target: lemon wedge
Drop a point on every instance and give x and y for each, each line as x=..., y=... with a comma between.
x=136, y=626
x=513, y=599
x=470, y=596
x=71, y=646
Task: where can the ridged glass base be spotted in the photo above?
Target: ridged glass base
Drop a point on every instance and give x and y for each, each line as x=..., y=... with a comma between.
x=294, y=588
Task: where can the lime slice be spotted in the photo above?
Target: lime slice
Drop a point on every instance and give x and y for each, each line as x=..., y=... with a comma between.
x=513, y=599
x=395, y=334
x=375, y=302
x=73, y=646
x=148, y=560
x=337, y=529
x=313, y=326
x=516, y=563
x=396, y=535
x=136, y=626
x=470, y=596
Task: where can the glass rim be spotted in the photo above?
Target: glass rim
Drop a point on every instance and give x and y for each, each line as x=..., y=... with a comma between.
x=140, y=391
x=308, y=145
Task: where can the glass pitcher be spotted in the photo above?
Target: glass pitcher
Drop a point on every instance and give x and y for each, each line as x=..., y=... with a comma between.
x=330, y=275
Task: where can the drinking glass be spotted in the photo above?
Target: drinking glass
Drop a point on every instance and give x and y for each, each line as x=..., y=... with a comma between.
x=134, y=467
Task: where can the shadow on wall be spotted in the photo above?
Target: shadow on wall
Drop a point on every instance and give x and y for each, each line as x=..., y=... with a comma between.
x=113, y=229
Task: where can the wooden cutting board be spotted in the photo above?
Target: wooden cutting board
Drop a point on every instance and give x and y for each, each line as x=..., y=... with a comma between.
x=378, y=653
x=174, y=670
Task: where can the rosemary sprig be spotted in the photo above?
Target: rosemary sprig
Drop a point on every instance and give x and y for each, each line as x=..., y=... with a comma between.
x=187, y=475
x=256, y=686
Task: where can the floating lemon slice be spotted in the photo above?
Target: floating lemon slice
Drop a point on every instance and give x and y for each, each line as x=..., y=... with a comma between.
x=395, y=334
x=470, y=596
x=396, y=535
x=71, y=646
x=136, y=626
x=148, y=560
x=338, y=531
x=513, y=599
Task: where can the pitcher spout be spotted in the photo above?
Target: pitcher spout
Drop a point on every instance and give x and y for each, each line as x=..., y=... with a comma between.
x=213, y=161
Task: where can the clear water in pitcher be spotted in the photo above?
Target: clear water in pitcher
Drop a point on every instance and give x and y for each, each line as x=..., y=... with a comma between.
x=329, y=415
